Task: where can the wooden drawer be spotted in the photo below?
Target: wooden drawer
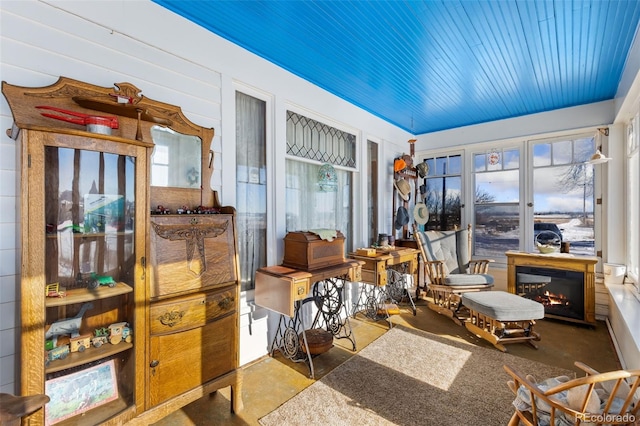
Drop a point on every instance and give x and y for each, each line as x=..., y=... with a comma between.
x=185, y=360
x=355, y=274
x=191, y=311
x=190, y=253
x=373, y=270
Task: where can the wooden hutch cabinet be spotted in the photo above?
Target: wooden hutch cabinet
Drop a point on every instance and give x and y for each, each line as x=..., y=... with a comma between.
x=129, y=293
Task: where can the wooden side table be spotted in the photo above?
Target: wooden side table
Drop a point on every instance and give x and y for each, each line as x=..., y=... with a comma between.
x=385, y=274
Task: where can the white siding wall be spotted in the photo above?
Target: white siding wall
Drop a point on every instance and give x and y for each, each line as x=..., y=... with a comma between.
x=171, y=60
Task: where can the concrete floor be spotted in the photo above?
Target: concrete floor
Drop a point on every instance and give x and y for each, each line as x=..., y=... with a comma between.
x=269, y=382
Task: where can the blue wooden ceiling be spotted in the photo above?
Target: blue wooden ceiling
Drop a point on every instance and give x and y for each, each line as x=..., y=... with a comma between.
x=434, y=65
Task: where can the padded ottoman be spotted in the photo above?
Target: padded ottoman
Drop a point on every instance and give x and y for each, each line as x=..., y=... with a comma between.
x=500, y=317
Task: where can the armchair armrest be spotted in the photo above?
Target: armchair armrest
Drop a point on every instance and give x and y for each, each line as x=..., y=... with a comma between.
x=479, y=266
x=435, y=271
x=584, y=367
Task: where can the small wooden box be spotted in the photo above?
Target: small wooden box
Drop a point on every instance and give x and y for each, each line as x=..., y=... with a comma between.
x=307, y=251
x=370, y=252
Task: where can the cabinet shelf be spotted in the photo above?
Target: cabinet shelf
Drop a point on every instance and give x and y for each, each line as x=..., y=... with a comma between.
x=99, y=414
x=92, y=354
x=81, y=295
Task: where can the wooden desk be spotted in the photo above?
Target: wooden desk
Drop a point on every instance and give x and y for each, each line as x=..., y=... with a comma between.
x=562, y=262
x=374, y=268
x=285, y=290
x=385, y=271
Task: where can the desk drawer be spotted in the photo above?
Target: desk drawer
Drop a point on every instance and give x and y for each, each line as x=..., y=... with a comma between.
x=191, y=311
x=280, y=292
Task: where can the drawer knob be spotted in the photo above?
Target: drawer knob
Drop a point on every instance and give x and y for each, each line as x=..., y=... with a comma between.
x=171, y=318
x=225, y=303
x=154, y=363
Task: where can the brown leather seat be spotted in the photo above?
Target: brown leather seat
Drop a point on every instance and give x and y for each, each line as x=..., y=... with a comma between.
x=13, y=408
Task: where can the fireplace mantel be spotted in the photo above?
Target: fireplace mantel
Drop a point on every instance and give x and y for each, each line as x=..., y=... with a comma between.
x=560, y=261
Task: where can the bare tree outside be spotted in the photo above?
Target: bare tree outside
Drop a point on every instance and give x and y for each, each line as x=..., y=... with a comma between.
x=579, y=177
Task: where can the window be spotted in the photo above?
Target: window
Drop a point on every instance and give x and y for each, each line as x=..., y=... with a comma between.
x=633, y=202
x=442, y=192
x=310, y=145
x=372, y=191
x=496, y=202
x=313, y=140
x=251, y=186
x=563, y=192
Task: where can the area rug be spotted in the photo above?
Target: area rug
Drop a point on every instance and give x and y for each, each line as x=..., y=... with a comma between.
x=411, y=377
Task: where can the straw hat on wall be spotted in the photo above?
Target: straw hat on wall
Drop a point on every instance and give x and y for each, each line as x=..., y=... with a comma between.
x=403, y=187
x=421, y=213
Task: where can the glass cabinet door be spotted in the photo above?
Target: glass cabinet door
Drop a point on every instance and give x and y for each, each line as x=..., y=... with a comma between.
x=89, y=266
x=90, y=205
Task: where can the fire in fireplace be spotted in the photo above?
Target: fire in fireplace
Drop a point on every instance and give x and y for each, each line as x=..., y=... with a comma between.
x=562, y=295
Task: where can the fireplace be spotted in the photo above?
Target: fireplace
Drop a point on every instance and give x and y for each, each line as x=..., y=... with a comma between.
x=566, y=284
x=561, y=292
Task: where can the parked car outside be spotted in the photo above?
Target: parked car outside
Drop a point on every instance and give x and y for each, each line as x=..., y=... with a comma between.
x=547, y=233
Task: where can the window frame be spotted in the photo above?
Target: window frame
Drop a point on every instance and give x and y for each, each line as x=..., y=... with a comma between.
x=632, y=165
x=353, y=170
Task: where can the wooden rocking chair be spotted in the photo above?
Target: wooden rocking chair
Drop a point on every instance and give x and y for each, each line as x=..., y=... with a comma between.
x=611, y=398
x=449, y=270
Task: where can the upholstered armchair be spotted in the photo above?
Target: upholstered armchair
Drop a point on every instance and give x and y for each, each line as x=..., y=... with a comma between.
x=611, y=398
x=450, y=271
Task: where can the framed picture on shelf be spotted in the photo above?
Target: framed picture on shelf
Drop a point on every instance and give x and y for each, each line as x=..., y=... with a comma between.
x=79, y=392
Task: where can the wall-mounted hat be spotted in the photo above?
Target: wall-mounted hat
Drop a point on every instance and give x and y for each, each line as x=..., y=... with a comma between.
x=408, y=160
x=402, y=217
x=403, y=187
x=423, y=169
x=399, y=165
x=421, y=213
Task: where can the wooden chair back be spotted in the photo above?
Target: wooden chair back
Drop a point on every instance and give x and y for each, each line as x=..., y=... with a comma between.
x=615, y=396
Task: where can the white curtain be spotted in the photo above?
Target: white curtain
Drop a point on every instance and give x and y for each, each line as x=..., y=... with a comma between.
x=309, y=208
x=251, y=186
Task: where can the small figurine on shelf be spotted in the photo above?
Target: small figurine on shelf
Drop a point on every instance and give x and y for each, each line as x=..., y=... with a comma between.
x=103, y=280
x=59, y=352
x=118, y=332
x=93, y=280
x=206, y=210
x=101, y=337
x=162, y=210
x=80, y=343
x=69, y=326
x=126, y=334
x=54, y=290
